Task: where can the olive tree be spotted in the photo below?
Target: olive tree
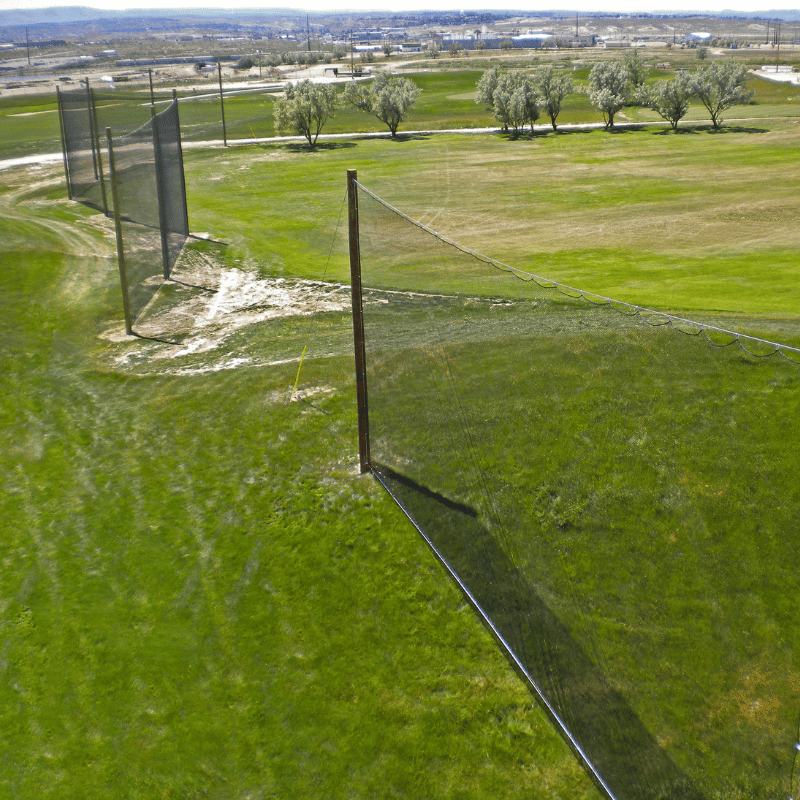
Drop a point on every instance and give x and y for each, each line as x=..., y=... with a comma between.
x=388, y=99
x=609, y=89
x=516, y=103
x=304, y=109
x=552, y=87
x=720, y=85
x=433, y=50
x=637, y=69
x=669, y=98
x=486, y=86
x=511, y=96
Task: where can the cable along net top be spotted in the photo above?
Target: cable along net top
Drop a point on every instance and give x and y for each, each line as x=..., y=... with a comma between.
x=620, y=501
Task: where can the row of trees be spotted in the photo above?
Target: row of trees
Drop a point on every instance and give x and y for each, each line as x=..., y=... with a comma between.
x=305, y=107
x=518, y=98
x=718, y=86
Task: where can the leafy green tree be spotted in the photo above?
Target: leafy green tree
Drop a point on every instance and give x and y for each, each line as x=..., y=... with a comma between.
x=637, y=69
x=388, y=99
x=433, y=50
x=486, y=86
x=552, y=87
x=609, y=89
x=669, y=98
x=304, y=109
x=720, y=85
x=511, y=96
x=516, y=103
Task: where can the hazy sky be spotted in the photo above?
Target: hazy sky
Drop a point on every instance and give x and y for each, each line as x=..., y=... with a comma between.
x=625, y=6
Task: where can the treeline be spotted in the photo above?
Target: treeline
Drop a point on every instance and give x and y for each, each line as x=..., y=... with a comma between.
x=518, y=98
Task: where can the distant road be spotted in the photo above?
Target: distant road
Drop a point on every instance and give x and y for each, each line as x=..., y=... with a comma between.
x=51, y=158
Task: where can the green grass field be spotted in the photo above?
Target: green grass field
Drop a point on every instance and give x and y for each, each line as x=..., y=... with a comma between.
x=199, y=594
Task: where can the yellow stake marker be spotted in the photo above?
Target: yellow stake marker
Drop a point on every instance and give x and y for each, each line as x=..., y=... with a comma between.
x=299, y=367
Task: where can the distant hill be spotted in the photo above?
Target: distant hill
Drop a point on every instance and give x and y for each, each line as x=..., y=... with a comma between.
x=64, y=14
x=55, y=15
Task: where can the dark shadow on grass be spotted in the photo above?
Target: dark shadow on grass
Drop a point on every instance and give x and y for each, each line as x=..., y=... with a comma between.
x=409, y=136
x=734, y=129
x=193, y=286
x=155, y=339
x=300, y=147
x=624, y=753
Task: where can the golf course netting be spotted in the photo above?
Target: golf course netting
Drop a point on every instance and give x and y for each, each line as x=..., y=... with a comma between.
x=615, y=490
x=148, y=173
x=148, y=170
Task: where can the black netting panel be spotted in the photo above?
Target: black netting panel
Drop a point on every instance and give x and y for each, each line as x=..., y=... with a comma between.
x=150, y=185
x=137, y=192
x=81, y=146
x=618, y=493
x=171, y=186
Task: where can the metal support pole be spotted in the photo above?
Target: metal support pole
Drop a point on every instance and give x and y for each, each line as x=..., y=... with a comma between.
x=152, y=96
x=63, y=141
x=98, y=148
x=92, y=132
x=123, y=272
x=162, y=217
x=222, y=105
x=358, y=323
x=180, y=158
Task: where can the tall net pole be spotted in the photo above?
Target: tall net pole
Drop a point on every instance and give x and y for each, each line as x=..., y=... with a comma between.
x=222, y=104
x=123, y=274
x=180, y=157
x=97, y=147
x=358, y=322
x=160, y=190
x=63, y=141
x=92, y=132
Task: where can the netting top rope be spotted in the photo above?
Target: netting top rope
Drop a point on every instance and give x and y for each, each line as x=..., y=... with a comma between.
x=717, y=337
x=620, y=504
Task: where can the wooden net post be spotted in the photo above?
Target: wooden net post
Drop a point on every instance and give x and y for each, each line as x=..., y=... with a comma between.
x=358, y=322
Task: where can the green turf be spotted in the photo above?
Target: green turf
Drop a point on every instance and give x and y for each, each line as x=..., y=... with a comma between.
x=199, y=594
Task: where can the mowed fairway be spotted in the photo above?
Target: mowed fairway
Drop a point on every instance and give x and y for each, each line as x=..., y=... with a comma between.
x=199, y=594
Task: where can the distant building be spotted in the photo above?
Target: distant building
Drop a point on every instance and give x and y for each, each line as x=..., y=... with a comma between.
x=531, y=40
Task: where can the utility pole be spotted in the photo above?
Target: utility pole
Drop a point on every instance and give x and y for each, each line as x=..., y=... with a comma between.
x=28, y=46
x=308, y=33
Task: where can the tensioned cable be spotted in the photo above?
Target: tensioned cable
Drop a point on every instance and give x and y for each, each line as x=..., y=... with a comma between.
x=653, y=318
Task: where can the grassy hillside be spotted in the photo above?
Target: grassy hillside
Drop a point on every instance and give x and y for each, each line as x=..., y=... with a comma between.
x=199, y=593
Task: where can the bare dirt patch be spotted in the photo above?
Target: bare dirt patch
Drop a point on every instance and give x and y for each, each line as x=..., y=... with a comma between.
x=188, y=326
